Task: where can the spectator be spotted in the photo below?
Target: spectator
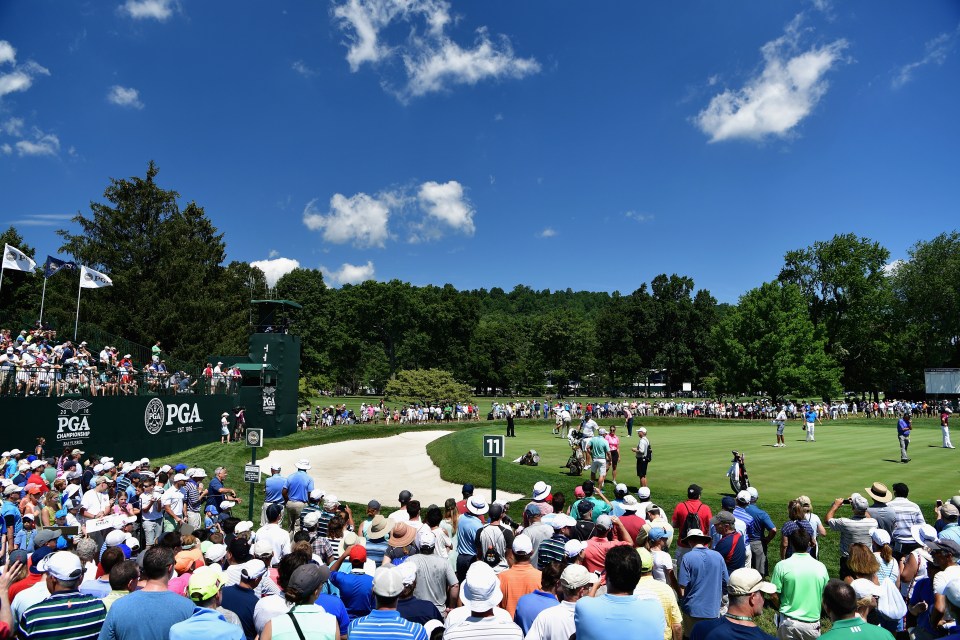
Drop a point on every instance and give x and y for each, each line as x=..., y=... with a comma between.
x=908, y=514
x=241, y=598
x=480, y=617
x=535, y=529
x=760, y=534
x=730, y=545
x=356, y=587
x=599, y=504
x=854, y=529
x=745, y=591
x=272, y=606
x=551, y=550
x=599, y=543
x=273, y=491
x=945, y=553
x=609, y=615
x=630, y=519
x=495, y=540
x=204, y=589
x=799, y=581
x=880, y=510
x=273, y=534
x=386, y=623
x=124, y=577
x=702, y=576
x=410, y=607
x=67, y=613
x=530, y=605
x=304, y=619
x=691, y=506
x=557, y=622
x=467, y=493
x=126, y=619
x=401, y=514
x=436, y=580
x=840, y=605
x=664, y=594
x=520, y=579
x=797, y=521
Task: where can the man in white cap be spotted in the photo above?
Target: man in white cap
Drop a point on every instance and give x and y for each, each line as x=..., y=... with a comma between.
x=556, y=623
x=745, y=590
x=551, y=550
x=66, y=608
x=856, y=528
x=468, y=527
x=436, y=580
x=643, y=453
x=480, y=617
x=299, y=484
x=409, y=606
x=385, y=622
x=703, y=577
x=174, y=505
x=643, y=501
x=273, y=491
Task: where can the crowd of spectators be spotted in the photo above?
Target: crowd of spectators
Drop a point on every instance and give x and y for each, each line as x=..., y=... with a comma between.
x=128, y=550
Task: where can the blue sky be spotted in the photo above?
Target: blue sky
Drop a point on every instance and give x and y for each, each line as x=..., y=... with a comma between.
x=552, y=144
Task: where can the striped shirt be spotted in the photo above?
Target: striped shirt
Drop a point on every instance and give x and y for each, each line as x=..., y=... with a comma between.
x=67, y=615
x=855, y=529
x=551, y=550
x=907, y=514
x=385, y=625
x=323, y=524
x=307, y=510
x=483, y=629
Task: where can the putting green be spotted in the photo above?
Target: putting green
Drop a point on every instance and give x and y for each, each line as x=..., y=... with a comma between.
x=847, y=456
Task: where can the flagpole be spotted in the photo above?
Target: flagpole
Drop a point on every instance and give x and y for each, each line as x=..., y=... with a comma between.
x=43, y=297
x=2, y=269
x=76, y=322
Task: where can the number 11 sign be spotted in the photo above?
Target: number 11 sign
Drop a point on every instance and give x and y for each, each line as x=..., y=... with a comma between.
x=493, y=449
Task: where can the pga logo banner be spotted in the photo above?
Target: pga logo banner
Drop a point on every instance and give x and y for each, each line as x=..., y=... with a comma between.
x=158, y=415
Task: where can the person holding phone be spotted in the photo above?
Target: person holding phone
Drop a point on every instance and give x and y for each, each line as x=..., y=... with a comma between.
x=854, y=529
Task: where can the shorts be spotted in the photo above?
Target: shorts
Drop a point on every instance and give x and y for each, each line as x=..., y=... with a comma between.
x=614, y=458
x=598, y=467
x=780, y=427
x=642, y=468
x=224, y=431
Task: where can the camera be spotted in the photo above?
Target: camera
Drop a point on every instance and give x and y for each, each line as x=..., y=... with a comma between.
x=847, y=501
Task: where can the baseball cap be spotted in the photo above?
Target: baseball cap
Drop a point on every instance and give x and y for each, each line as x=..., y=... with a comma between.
x=880, y=537
x=215, y=553
x=605, y=522
x=205, y=582
x=694, y=491
x=952, y=592
x=561, y=520
x=630, y=503
x=523, y=544
x=643, y=493
x=262, y=548
x=358, y=553
x=426, y=538
x=373, y=504
x=388, y=581
x=748, y=580
x=865, y=588
x=723, y=517
x=467, y=489
x=307, y=578
x=62, y=565
x=949, y=510
x=743, y=497
x=657, y=533
x=576, y=576
x=858, y=502
x=253, y=569
x=408, y=573
x=728, y=502
x=646, y=559
x=573, y=547
x=38, y=555
x=116, y=538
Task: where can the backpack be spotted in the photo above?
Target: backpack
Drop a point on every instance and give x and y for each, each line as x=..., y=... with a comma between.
x=649, y=455
x=692, y=521
x=491, y=556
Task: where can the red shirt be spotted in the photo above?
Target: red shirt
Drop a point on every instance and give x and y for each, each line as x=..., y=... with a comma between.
x=18, y=586
x=680, y=515
x=462, y=506
x=633, y=524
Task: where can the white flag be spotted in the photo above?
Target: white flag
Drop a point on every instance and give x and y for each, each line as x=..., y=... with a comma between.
x=17, y=260
x=90, y=279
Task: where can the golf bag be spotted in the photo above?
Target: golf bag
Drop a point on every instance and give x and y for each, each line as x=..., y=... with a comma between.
x=738, y=473
x=577, y=459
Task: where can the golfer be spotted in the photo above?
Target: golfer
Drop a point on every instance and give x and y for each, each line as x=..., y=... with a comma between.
x=642, y=451
x=903, y=434
x=811, y=418
x=600, y=455
x=780, y=421
x=945, y=426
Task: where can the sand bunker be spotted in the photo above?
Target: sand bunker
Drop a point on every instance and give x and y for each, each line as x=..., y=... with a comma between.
x=359, y=470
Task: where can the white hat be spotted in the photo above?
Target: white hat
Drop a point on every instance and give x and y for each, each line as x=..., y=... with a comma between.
x=262, y=548
x=561, y=520
x=425, y=538
x=227, y=504
x=388, y=582
x=302, y=464
x=642, y=430
x=37, y=463
x=523, y=544
x=574, y=547
x=541, y=490
x=481, y=588
x=106, y=459
x=62, y=565
x=696, y=533
x=115, y=538
x=630, y=503
x=198, y=473
x=275, y=466
x=923, y=533
x=179, y=477
x=252, y=569
x=330, y=502
x=165, y=468
x=408, y=573
x=121, y=521
x=216, y=552
x=317, y=495
x=311, y=520
x=880, y=537
x=754, y=494
x=747, y=580
x=243, y=525
x=743, y=497
x=5, y=454
x=865, y=588
x=576, y=576
x=144, y=460
x=643, y=493
x=98, y=468
x=132, y=542
x=477, y=505
x=15, y=452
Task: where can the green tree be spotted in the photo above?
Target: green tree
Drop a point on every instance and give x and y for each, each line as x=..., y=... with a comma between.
x=20, y=292
x=849, y=296
x=769, y=345
x=927, y=307
x=166, y=263
x=425, y=386
x=306, y=287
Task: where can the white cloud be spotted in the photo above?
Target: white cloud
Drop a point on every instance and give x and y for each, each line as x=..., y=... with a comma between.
x=301, y=67
x=12, y=126
x=7, y=52
x=447, y=204
x=275, y=268
x=360, y=219
x=431, y=59
x=43, y=220
x=349, y=273
x=148, y=9
x=937, y=49
x=43, y=144
x=891, y=267
x=6, y=149
x=785, y=91
x=498, y=117
x=549, y=232
x=639, y=217
x=273, y=254
x=124, y=97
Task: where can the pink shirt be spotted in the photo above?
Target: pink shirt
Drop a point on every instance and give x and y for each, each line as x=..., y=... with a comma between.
x=613, y=441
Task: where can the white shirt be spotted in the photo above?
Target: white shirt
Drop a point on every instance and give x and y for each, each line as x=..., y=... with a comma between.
x=400, y=515
x=174, y=499
x=267, y=609
x=94, y=502
x=27, y=598
x=277, y=537
x=553, y=623
x=458, y=615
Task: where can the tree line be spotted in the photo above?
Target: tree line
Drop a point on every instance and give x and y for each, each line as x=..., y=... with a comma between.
x=838, y=317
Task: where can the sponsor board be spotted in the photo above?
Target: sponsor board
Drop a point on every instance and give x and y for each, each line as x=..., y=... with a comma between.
x=171, y=417
x=73, y=422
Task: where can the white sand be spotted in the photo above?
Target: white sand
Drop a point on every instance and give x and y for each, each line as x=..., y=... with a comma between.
x=378, y=468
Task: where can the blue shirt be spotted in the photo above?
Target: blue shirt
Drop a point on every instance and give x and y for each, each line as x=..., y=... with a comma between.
x=242, y=602
x=11, y=517
x=24, y=539
x=903, y=427
x=126, y=619
x=467, y=527
x=951, y=532
x=334, y=606
x=273, y=488
x=207, y=624
x=356, y=591
x=703, y=575
x=299, y=486
x=811, y=416
x=385, y=625
x=530, y=605
x=723, y=629
x=761, y=523
x=741, y=513
x=214, y=497
x=734, y=554
x=417, y=610
x=610, y=616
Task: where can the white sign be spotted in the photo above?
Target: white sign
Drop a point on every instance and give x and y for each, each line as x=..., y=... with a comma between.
x=687, y=386
x=251, y=473
x=73, y=422
x=98, y=524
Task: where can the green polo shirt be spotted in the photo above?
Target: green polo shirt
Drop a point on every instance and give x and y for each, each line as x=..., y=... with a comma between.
x=856, y=627
x=800, y=580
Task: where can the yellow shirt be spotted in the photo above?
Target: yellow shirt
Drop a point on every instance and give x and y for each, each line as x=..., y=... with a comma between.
x=648, y=587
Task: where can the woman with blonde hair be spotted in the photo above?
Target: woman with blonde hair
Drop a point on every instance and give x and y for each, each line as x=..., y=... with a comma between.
x=814, y=521
x=51, y=504
x=861, y=563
